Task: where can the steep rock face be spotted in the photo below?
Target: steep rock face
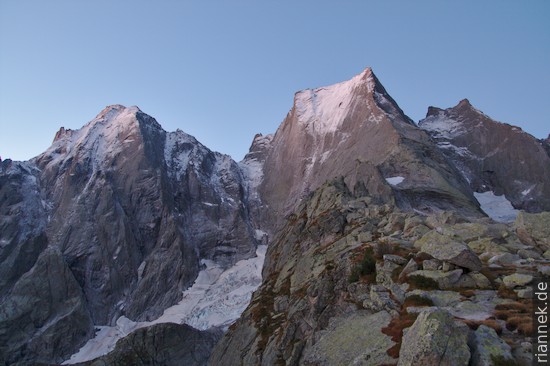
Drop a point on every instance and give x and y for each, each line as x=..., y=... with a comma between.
x=356, y=130
x=493, y=156
x=44, y=315
x=252, y=167
x=546, y=144
x=132, y=210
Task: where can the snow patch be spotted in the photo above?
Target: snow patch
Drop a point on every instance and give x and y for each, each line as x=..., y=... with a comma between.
x=528, y=190
x=496, y=207
x=395, y=180
x=442, y=127
x=216, y=299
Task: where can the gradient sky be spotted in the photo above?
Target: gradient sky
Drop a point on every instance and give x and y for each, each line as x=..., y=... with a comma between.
x=223, y=71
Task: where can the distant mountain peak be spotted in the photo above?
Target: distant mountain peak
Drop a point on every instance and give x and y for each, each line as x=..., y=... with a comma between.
x=464, y=103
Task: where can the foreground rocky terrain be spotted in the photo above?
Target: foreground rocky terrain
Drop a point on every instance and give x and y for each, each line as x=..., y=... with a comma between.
x=121, y=235
x=348, y=281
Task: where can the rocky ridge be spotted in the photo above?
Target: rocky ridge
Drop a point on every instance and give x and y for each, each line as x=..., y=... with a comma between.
x=343, y=263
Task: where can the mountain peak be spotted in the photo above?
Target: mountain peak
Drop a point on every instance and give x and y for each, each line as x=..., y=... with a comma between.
x=464, y=103
x=115, y=109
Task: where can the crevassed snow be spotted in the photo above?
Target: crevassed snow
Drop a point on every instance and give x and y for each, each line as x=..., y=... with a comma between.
x=395, y=180
x=216, y=299
x=496, y=207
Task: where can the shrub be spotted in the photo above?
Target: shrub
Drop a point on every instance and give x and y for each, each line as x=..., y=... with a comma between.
x=366, y=267
x=354, y=276
x=491, y=323
x=368, y=264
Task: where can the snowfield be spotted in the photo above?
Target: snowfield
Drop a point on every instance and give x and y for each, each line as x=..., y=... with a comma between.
x=496, y=207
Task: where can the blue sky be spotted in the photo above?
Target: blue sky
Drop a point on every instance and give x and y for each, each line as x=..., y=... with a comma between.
x=223, y=71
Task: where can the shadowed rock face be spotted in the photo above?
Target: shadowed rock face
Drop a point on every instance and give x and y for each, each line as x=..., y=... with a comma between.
x=44, y=316
x=356, y=130
x=130, y=210
x=161, y=344
x=493, y=156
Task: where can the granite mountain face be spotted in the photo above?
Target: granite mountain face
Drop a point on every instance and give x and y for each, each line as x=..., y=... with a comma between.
x=115, y=220
x=120, y=214
x=356, y=130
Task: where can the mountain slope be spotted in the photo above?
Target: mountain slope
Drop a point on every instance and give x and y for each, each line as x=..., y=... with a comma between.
x=493, y=156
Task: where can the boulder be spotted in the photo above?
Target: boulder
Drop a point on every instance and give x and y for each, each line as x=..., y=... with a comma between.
x=435, y=339
x=439, y=298
x=517, y=280
x=444, y=280
x=505, y=258
x=409, y=268
x=533, y=229
x=487, y=345
x=394, y=259
x=346, y=342
x=524, y=293
x=474, y=280
x=446, y=249
x=431, y=265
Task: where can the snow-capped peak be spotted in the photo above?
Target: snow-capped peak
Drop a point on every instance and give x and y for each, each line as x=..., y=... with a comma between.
x=323, y=109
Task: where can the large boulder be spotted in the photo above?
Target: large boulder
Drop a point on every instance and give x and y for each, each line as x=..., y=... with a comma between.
x=487, y=346
x=517, y=279
x=443, y=279
x=435, y=339
x=346, y=343
x=446, y=249
x=534, y=229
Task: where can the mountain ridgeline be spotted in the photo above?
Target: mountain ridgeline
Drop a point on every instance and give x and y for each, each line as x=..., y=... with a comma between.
x=118, y=218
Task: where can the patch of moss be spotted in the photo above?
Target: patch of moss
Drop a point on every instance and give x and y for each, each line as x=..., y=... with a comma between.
x=502, y=361
x=423, y=283
x=417, y=300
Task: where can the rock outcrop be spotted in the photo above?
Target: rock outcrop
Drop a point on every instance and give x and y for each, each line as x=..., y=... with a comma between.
x=342, y=263
x=435, y=339
x=161, y=344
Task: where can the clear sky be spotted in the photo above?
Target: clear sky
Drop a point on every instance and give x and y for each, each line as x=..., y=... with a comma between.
x=223, y=71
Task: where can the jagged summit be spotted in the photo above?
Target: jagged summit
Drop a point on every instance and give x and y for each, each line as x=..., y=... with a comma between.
x=325, y=109
x=491, y=155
